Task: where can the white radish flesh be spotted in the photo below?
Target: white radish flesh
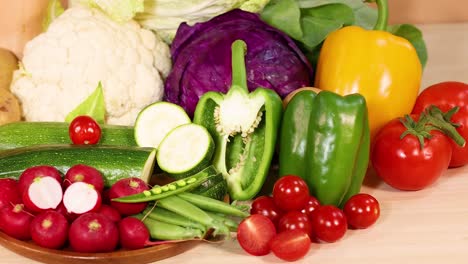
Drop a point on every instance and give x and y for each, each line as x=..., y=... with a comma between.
x=45, y=193
x=81, y=197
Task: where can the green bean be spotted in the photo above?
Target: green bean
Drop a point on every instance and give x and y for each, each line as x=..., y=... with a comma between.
x=212, y=205
x=164, y=231
x=169, y=217
x=159, y=192
x=192, y=212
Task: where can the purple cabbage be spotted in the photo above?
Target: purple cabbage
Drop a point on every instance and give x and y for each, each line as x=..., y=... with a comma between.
x=201, y=56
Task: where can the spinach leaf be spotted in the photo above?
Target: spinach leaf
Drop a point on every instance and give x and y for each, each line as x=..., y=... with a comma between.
x=284, y=15
x=414, y=36
x=322, y=20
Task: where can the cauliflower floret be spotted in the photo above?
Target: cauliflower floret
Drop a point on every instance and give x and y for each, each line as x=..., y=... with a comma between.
x=63, y=66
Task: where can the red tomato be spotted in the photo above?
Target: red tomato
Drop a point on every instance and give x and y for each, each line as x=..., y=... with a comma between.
x=290, y=193
x=312, y=204
x=265, y=205
x=84, y=130
x=293, y=220
x=290, y=245
x=255, y=233
x=447, y=95
x=329, y=223
x=362, y=210
x=402, y=164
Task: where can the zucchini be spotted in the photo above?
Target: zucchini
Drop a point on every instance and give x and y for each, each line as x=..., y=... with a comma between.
x=112, y=161
x=24, y=134
x=186, y=150
x=214, y=187
x=156, y=120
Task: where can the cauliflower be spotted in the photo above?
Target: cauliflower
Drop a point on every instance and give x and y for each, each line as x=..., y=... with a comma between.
x=62, y=67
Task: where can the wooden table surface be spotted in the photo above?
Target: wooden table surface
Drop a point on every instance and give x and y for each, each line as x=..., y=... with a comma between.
x=423, y=227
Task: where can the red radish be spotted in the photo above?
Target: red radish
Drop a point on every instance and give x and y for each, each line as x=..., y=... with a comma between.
x=133, y=233
x=62, y=210
x=42, y=194
x=124, y=187
x=110, y=212
x=49, y=229
x=84, y=173
x=16, y=222
x=105, y=196
x=9, y=193
x=28, y=176
x=80, y=198
x=93, y=232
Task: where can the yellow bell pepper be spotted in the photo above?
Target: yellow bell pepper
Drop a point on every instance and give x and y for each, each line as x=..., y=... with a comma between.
x=384, y=68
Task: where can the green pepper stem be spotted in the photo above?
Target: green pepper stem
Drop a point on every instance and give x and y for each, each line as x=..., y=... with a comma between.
x=239, y=74
x=382, y=19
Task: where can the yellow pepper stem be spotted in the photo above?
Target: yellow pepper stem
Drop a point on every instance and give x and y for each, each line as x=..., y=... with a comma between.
x=382, y=19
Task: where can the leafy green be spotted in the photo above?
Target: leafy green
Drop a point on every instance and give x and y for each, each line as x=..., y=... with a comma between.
x=165, y=16
x=365, y=16
x=321, y=20
x=414, y=36
x=309, y=22
x=118, y=10
x=54, y=9
x=93, y=106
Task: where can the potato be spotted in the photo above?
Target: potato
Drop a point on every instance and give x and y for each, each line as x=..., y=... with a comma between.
x=10, y=109
x=8, y=64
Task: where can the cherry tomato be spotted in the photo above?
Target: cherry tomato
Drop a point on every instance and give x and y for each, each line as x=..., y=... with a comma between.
x=84, y=130
x=447, y=95
x=312, y=204
x=402, y=164
x=290, y=245
x=290, y=193
x=329, y=223
x=265, y=205
x=362, y=210
x=295, y=220
x=255, y=233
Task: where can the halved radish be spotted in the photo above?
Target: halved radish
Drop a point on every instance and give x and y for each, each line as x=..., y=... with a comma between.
x=43, y=193
x=84, y=173
x=81, y=197
x=27, y=176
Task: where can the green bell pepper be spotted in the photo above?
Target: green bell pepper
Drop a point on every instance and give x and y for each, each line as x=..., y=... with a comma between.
x=244, y=126
x=325, y=140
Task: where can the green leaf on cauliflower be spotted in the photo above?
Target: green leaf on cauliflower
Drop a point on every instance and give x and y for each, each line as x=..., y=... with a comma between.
x=93, y=106
x=54, y=10
x=165, y=16
x=118, y=10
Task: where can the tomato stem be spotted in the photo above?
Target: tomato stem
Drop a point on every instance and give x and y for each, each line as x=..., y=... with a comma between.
x=432, y=119
x=441, y=121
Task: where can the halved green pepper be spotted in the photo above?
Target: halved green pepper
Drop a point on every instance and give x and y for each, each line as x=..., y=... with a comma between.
x=244, y=126
x=325, y=140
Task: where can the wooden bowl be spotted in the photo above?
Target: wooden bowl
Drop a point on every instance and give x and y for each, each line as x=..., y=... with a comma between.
x=145, y=255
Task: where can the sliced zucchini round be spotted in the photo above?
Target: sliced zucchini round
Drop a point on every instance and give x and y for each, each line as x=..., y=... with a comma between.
x=156, y=120
x=185, y=150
